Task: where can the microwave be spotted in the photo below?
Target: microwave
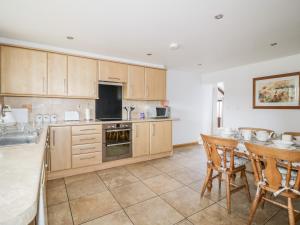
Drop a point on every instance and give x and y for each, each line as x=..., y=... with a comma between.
x=159, y=112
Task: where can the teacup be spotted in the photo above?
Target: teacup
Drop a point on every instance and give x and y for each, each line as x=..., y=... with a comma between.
x=262, y=135
x=287, y=137
x=247, y=134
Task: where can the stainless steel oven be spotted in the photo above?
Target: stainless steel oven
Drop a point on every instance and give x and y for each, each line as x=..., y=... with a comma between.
x=116, y=141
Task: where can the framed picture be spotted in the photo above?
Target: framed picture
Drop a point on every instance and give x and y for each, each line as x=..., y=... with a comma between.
x=277, y=91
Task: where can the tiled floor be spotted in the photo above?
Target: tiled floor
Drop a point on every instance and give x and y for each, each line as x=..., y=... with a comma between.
x=159, y=192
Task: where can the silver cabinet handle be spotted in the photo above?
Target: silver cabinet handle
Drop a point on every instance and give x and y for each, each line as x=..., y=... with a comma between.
x=53, y=140
x=88, y=148
x=87, y=158
x=87, y=129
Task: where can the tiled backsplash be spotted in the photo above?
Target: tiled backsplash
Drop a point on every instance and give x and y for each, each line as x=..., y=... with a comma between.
x=58, y=106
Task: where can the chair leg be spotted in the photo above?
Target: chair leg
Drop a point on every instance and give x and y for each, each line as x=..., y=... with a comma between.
x=244, y=177
x=220, y=180
x=254, y=206
x=228, y=193
x=207, y=180
x=264, y=194
x=291, y=212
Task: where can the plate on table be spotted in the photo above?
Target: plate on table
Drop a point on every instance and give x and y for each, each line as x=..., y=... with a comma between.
x=280, y=147
x=283, y=144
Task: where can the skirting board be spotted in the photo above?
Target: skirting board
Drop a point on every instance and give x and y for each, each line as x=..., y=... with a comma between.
x=186, y=144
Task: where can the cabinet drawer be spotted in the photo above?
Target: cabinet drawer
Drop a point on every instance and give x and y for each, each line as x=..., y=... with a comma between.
x=88, y=129
x=86, y=139
x=88, y=148
x=86, y=159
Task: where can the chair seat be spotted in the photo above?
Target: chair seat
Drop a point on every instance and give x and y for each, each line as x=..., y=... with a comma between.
x=238, y=161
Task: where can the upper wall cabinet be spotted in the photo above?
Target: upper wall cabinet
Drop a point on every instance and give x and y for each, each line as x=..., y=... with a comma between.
x=113, y=71
x=23, y=71
x=57, y=74
x=155, y=84
x=135, y=87
x=82, y=77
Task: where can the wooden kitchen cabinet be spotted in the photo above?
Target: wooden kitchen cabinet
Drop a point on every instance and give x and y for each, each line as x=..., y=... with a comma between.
x=23, y=71
x=60, y=148
x=135, y=87
x=113, y=71
x=57, y=74
x=82, y=77
x=155, y=84
x=160, y=137
x=140, y=139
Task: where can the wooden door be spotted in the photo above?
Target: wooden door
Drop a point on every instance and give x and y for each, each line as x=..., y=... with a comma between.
x=23, y=71
x=60, y=148
x=160, y=137
x=155, y=84
x=113, y=71
x=57, y=74
x=135, y=87
x=82, y=77
x=140, y=139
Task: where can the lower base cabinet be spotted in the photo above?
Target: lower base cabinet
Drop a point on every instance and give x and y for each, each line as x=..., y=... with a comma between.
x=87, y=159
x=160, y=137
x=140, y=139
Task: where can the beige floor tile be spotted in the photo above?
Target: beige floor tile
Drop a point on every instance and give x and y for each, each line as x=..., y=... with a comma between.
x=165, y=165
x=120, y=169
x=184, y=222
x=186, y=201
x=116, y=218
x=55, y=183
x=60, y=214
x=117, y=177
x=281, y=218
x=215, y=215
x=186, y=176
x=132, y=193
x=80, y=177
x=162, y=184
x=153, y=212
x=143, y=170
x=240, y=206
x=91, y=207
x=88, y=186
x=56, y=195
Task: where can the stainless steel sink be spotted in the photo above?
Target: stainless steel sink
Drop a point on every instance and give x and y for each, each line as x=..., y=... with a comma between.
x=19, y=137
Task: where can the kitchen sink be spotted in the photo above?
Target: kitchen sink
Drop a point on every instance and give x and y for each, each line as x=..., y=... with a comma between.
x=19, y=137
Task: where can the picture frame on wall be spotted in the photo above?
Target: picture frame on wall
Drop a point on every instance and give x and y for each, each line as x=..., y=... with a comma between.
x=277, y=91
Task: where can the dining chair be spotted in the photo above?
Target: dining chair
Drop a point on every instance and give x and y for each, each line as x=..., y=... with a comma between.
x=221, y=159
x=275, y=173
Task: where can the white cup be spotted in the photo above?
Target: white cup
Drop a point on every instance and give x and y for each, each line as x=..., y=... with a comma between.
x=247, y=134
x=297, y=138
x=286, y=137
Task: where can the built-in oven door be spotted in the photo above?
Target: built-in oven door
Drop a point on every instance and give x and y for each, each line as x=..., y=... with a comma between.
x=117, y=144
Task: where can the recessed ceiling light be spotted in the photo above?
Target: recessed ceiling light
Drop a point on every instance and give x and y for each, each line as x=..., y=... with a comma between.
x=149, y=54
x=273, y=44
x=70, y=38
x=219, y=16
x=174, y=46
x=199, y=64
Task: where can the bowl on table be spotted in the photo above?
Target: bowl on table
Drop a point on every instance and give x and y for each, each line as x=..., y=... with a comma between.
x=297, y=140
x=283, y=144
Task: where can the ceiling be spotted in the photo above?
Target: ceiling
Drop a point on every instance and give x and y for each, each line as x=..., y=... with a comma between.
x=130, y=29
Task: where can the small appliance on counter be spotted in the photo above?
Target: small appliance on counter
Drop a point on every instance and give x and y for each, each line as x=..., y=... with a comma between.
x=159, y=112
x=129, y=110
x=71, y=116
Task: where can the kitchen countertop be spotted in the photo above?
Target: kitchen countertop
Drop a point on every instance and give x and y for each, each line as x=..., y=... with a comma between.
x=95, y=122
x=20, y=171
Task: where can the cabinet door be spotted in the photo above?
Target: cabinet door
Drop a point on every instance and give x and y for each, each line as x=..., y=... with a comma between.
x=23, y=71
x=140, y=139
x=155, y=82
x=57, y=74
x=160, y=137
x=113, y=71
x=82, y=77
x=60, y=148
x=135, y=87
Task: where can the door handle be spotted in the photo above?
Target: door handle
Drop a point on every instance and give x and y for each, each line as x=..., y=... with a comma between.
x=53, y=139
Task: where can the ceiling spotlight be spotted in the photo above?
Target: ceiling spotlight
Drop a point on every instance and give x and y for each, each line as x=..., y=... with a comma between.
x=273, y=44
x=219, y=16
x=70, y=38
x=149, y=54
x=199, y=64
x=174, y=46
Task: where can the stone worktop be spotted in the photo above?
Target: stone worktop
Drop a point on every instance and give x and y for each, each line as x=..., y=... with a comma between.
x=20, y=173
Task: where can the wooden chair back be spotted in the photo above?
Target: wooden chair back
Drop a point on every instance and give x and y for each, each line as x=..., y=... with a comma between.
x=266, y=162
x=218, y=150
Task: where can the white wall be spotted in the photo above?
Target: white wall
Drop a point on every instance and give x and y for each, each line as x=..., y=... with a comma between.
x=183, y=92
x=238, y=109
